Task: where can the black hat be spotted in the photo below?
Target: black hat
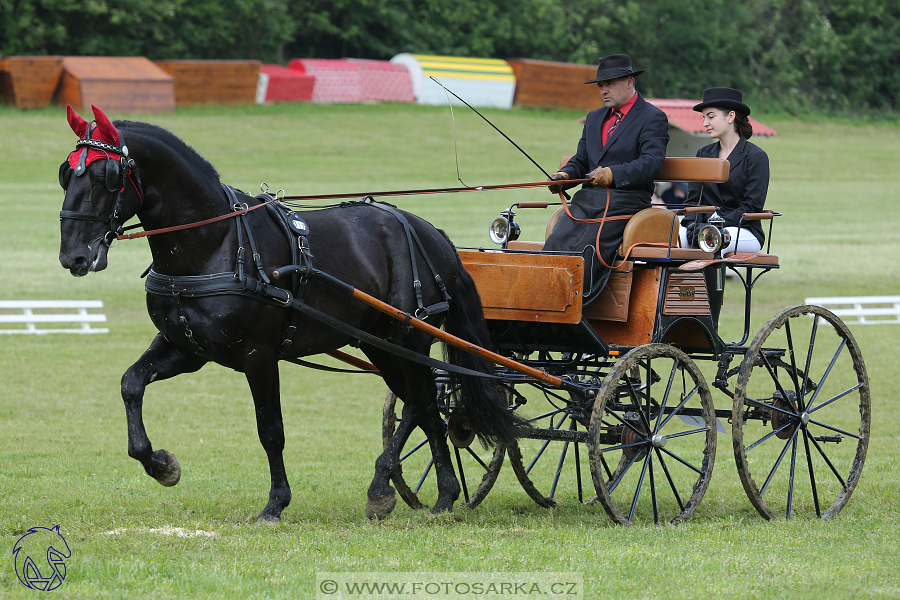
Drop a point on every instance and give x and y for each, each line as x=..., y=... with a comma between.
x=615, y=66
x=723, y=98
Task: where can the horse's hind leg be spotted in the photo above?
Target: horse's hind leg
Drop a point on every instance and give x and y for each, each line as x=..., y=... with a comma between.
x=262, y=376
x=161, y=360
x=414, y=384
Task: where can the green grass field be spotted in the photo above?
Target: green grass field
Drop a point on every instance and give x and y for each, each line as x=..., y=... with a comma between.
x=63, y=451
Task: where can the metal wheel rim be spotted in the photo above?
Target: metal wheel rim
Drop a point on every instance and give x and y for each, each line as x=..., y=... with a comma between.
x=675, y=491
x=813, y=448
x=410, y=495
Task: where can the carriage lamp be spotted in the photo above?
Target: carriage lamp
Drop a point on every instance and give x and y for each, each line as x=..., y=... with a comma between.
x=713, y=236
x=503, y=229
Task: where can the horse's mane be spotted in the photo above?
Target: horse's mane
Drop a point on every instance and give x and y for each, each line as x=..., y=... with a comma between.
x=191, y=156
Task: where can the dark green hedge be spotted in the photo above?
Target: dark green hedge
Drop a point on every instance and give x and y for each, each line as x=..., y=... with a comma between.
x=795, y=55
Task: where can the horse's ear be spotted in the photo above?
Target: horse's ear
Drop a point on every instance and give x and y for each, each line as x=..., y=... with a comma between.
x=78, y=125
x=105, y=127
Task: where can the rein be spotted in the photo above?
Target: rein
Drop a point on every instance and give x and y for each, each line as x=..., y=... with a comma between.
x=603, y=220
x=237, y=213
x=245, y=209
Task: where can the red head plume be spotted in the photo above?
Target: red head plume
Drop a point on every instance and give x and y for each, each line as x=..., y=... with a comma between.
x=78, y=125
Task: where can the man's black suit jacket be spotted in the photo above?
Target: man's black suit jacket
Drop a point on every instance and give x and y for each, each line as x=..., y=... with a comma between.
x=635, y=151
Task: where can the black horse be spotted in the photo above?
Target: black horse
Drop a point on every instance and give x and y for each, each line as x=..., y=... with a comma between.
x=128, y=168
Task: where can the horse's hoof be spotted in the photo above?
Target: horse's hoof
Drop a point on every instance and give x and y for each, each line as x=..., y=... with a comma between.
x=379, y=508
x=171, y=471
x=268, y=519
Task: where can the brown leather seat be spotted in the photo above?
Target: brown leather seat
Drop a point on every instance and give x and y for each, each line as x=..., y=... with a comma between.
x=650, y=226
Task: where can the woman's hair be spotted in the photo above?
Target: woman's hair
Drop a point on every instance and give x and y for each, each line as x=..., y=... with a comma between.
x=741, y=123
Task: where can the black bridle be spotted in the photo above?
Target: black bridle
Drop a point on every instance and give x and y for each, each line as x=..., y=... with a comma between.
x=115, y=182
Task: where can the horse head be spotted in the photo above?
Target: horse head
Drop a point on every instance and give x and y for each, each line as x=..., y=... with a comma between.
x=95, y=178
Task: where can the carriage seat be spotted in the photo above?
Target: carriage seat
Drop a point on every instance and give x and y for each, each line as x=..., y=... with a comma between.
x=654, y=225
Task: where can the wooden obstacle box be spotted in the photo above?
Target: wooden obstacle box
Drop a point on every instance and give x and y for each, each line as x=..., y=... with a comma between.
x=115, y=84
x=196, y=82
x=546, y=84
x=29, y=81
x=280, y=84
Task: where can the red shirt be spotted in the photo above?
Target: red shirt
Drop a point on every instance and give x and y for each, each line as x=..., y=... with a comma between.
x=611, y=117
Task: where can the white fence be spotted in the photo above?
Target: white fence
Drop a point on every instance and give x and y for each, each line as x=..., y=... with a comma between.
x=32, y=320
x=865, y=309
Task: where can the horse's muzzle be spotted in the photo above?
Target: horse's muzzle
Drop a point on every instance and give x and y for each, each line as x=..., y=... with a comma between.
x=82, y=264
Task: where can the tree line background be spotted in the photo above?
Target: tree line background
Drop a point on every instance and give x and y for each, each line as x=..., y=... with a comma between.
x=827, y=56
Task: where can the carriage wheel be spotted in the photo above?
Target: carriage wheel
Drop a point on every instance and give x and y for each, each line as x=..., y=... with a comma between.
x=473, y=464
x=654, y=415
x=801, y=415
x=544, y=467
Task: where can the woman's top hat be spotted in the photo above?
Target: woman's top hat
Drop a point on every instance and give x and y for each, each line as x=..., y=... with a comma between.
x=727, y=98
x=615, y=66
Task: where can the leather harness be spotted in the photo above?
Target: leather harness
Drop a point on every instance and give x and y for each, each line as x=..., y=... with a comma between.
x=259, y=286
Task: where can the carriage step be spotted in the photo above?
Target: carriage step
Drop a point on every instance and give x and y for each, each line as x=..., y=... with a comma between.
x=835, y=439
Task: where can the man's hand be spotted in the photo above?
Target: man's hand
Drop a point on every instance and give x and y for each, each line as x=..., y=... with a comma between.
x=558, y=176
x=601, y=177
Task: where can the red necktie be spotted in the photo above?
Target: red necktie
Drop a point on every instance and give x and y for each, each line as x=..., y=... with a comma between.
x=615, y=124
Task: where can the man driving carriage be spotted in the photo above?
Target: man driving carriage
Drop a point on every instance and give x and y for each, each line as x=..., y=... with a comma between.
x=622, y=149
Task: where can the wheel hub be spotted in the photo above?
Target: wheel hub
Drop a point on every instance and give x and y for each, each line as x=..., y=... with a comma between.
x=780, y=419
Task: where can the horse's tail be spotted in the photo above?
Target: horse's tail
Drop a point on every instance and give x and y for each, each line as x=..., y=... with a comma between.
x=478, y=397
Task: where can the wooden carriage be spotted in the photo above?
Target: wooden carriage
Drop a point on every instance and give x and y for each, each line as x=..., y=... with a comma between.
x=637, y=351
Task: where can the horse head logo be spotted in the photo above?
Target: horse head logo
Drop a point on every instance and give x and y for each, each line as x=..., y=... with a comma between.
x=39, y=557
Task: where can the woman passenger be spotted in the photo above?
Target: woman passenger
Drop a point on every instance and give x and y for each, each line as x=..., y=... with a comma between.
x=725, y=119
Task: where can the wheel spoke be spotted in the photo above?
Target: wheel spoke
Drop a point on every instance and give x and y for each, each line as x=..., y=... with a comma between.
x=653, y=490
x=790, y=344
x=828, y=462
x=476, y=457
x=835, y=429
x=424, y=475
x=662, y=407
x=812, y=342
x=812, y=476
x=640, y=483
x=669, y=478
x=790, y=498
x=562, y=459
x=838, y=397
x=417, y=446
x=462, y=474
x=684, y=433
x=767, y=436
x=774, y=375
x=614, y=484
x=777, y=464
x=680, y=406
x=682, y=461
x=828, y=370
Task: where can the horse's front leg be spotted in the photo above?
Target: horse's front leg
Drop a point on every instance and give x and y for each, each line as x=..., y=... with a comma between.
x=161, y=360
x=262, y=376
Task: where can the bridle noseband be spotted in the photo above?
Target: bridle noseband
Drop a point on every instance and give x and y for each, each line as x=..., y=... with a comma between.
x=114, y=182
